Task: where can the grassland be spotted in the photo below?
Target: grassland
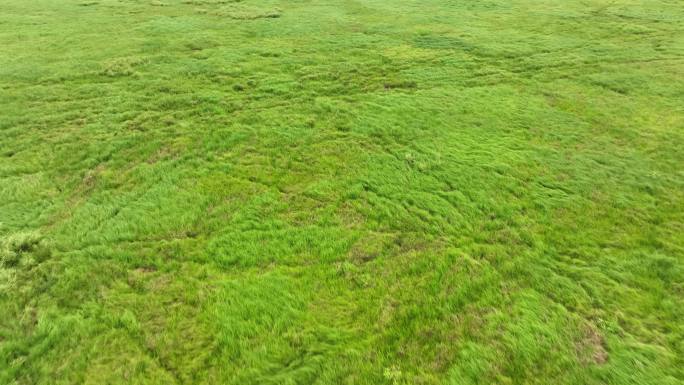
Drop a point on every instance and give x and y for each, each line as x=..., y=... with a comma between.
x=342, y=192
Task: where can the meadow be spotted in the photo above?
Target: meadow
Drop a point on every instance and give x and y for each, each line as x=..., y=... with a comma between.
x=459, y=192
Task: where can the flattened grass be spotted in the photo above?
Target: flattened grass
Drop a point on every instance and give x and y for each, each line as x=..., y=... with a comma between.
x=465, y=192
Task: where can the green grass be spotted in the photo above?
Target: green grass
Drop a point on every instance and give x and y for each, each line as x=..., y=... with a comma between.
x=341, y=192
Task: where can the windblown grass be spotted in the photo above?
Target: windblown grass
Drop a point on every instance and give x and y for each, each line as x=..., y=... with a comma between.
x=341, y=192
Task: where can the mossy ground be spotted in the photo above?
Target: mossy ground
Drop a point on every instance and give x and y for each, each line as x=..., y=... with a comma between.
x=341, y=192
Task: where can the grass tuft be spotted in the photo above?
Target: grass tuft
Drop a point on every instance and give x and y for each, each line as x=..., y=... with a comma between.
x=121, y=66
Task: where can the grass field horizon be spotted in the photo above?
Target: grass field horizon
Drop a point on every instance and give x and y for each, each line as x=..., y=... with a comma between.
x=342, y=192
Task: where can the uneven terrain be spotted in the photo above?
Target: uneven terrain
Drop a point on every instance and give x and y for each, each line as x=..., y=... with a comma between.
x=342, y=192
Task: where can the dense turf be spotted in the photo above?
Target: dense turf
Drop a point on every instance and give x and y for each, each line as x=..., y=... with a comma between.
x=342, y=192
